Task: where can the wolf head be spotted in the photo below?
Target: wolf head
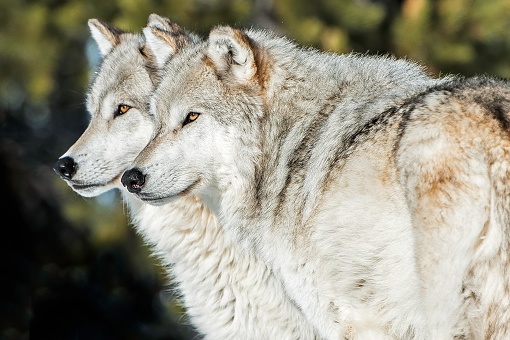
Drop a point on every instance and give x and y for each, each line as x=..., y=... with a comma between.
x=117, y=100
x=207, y=107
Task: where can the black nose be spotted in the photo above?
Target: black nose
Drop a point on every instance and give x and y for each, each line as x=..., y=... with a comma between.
x=133, y=180
x=65, y=167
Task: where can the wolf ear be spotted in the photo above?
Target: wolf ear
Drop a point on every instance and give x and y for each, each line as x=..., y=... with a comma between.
x=159, y=43
x=231, y=53
x=106, y=36
x=164, y=38
x=162, y=23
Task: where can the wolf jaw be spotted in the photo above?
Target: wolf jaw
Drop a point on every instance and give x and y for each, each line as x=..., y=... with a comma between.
x=227, y=294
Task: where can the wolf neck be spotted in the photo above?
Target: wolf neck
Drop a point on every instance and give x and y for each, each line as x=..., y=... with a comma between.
x=314, y=105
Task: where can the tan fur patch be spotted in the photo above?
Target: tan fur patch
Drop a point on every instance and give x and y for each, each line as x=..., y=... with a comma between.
x=264, y=67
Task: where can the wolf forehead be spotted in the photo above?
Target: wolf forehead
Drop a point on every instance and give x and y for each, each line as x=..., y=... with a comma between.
x=121, y=71
x=190, y=82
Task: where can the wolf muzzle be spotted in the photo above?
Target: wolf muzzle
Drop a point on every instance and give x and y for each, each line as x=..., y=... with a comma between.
x=133, y=180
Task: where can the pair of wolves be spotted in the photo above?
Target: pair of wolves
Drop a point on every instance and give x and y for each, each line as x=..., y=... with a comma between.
x=228, y=294
x=301, y=194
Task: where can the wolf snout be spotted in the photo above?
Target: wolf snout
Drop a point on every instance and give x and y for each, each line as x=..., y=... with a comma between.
x=65, y=167
x=133, y=180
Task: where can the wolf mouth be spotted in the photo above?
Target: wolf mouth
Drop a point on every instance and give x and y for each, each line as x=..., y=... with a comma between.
x=87, y=186
x=79, y=185
x=147, y=197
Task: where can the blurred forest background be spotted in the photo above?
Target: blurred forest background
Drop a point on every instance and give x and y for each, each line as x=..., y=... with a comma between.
x=73, y=268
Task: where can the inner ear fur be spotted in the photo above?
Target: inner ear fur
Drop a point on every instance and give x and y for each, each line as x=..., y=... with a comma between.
x=231, y=53
x=105, y=35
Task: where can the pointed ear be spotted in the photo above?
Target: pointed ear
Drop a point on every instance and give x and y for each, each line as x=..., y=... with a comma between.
x=162, y=23
x=160, y=43
x=106, y=36
x=165, y=38
x=232, y=54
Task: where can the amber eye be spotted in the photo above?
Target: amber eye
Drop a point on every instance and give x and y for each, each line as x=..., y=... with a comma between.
x=191, y=117
x=121, y=109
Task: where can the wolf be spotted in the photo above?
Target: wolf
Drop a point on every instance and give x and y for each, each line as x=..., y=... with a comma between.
x=293, y=149
x=227, y=293
x=378, y=196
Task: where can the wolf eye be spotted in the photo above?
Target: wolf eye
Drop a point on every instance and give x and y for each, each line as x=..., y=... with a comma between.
x=191, y=117
x=121, y=109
